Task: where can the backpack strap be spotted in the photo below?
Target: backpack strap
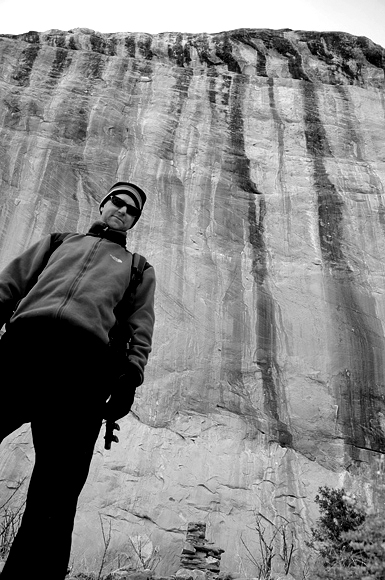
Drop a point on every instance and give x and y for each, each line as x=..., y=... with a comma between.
x=119, y=332
x=138, y=265
x=57, y=239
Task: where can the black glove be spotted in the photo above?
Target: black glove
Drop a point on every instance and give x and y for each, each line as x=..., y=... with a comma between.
x=122, y=395
x=119, y=403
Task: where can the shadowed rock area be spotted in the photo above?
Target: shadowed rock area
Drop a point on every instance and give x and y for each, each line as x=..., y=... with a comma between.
x=262, y=153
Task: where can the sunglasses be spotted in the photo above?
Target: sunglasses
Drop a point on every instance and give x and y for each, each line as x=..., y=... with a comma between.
x=130, y=209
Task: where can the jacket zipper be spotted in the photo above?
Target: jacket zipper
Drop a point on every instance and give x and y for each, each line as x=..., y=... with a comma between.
x=78, y=278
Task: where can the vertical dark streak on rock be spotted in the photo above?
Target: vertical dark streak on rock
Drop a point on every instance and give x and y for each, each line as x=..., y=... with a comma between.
x=257, y=240
x=102, y=45
x=144, y=47
x=225, y=52
x=13, y=113
x=24, y=66
x=381, y=213
x=72, y=122
x=381, y=206
x=179, y=95
x=357, y=387
x=212, y=93
x=72, y=44
x=241, y=161
x=266, y=326
x=62, y=61
x=129, y=43
x=225, y=92
x=283, y=46
x=229, y=222
x=329, y=202
x=95, y=66
x=277, y=120
x=181, y=86
x=352, y=145
x=261, y=64
x=266, y=321
x=249, y=37
x=56, y=39
x=74, y=128
x=179, y=52
x=361, y=387
x=201, y=44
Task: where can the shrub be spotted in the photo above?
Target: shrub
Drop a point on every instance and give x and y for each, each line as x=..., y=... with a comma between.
x=339, y=515
x=369, y=538
x=349, y=538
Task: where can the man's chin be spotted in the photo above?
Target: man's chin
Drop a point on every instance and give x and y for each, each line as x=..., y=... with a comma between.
x=116, y=224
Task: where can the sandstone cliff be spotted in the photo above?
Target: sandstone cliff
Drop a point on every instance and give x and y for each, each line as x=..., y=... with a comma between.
x=263, y=155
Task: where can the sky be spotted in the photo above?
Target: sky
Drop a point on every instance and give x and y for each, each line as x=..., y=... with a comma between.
x=358, y=17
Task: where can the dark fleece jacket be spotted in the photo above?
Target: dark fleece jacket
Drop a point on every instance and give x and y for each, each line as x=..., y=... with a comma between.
x=80, y=284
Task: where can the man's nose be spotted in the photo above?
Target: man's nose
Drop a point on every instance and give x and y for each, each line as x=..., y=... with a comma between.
x=123, y=209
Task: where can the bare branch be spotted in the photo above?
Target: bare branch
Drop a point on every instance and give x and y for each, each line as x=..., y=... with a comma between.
x=106, y=541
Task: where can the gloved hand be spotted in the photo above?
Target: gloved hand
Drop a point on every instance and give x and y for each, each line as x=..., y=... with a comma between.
x=122, y=395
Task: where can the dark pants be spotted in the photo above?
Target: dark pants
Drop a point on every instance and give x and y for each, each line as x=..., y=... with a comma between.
x=56, y=378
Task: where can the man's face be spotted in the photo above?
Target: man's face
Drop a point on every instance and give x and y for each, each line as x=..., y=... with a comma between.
x=117, y=218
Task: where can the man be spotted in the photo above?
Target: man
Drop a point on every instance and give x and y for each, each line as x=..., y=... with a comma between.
x=59, y=369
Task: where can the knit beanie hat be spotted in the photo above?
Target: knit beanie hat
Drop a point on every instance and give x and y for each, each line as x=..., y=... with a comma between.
x=136, y=193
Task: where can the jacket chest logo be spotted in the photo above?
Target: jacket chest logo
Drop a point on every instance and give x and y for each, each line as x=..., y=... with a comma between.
x=116, y=259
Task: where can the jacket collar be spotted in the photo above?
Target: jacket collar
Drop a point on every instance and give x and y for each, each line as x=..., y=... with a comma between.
x=101, y=230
